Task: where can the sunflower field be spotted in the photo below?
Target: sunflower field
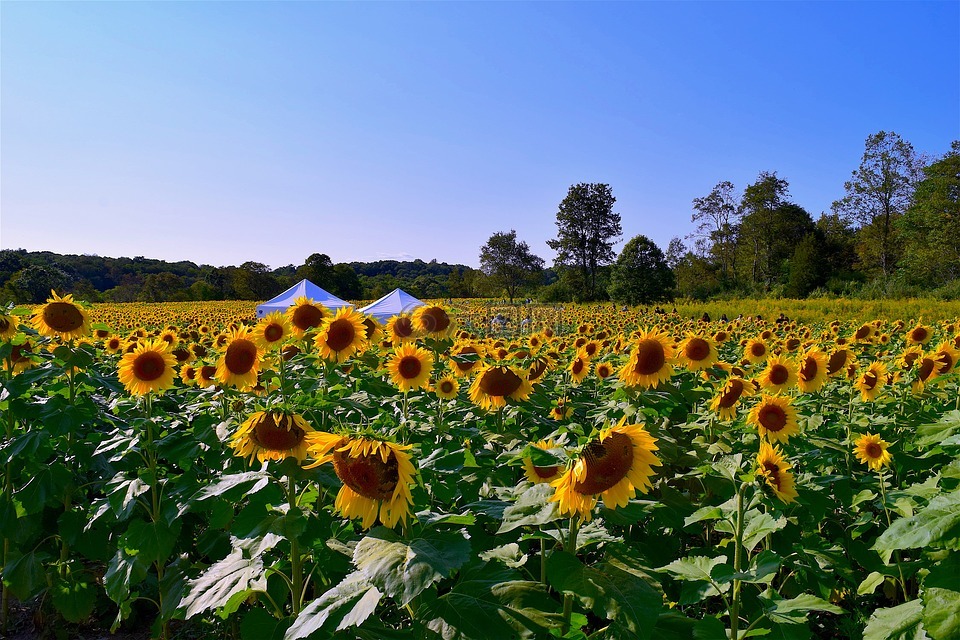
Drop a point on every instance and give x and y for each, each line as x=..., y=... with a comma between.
x=457, y=473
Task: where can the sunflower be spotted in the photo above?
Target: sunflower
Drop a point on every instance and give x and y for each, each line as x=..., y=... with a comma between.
x=410, y=367
x=909, y=357
x=372, y=329
x=240, y=362
x=812, y=371
x=269, y=435
x=779, y=375
x=8, y=326
x=871, y=381
x=188, y=375
x=603, y=370
x=919, y=335
x=494, y=384
x=838, y=361
x=446, y=387
x=928, y=368
x=113, y=344
x=376, y=475
x=871, y=450
x=615, y=465
x=61, y=317
x=20, y=358
x=206, y=376
x=649, y=362
x=149, y=367
x=538, y=368
x=541, y=475
x=400, y=329
x=698, y=352
x=756, y=351
x=775, y=471
x=467, y=359
x=579, y=368
x=864, y=333
x=775, y=418
x=433, y=322
x=947, y=355
x=305, y=314
x=725, y=403
x=561, y=409
x=342, y=336
x=271, y=332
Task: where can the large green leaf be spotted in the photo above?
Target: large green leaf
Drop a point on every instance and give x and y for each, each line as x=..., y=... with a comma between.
x=153, y=541
x=697, y=568
x=245, y=483
x=936, y=526
x=123, y=571
x=763, y=568
x=225, y=584
x=24, y=575
x=941, y=599
x=73, y=598
x=936, y=433
x=611, y=590
x=345, y=605
x=794, y=610
x=490, y=603
x=759, y=525
x=902, y=622
x=402, y=569
x=533, y=507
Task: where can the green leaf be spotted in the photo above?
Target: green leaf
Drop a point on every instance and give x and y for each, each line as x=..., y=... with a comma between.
x=758, y=526
x=152, y=541
x=403, y=569
x=489, y=603
x=347, y=604
x=122, y=493
x=763, y=568
x=870, y=583
x=936, y=433
x=252, y=481
x=696, y=568
x=941, y=599
x=233, y=576
x=74, y=599
x=937, y=526
x=257, y=624
x=611, y=590
x=902, y=622
x=533, y=507
x=24, y=575
x=794, y=610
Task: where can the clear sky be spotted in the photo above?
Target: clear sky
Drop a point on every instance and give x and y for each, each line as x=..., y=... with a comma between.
x=221, y=132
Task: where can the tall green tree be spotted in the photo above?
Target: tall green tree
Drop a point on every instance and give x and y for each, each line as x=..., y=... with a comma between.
x=640, y=274
x=717, y=218
x=587, y=229
x=509, y=264
x=877, y=194
x=931, y=225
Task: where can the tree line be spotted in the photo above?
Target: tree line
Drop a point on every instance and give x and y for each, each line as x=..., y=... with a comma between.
x=895, y=231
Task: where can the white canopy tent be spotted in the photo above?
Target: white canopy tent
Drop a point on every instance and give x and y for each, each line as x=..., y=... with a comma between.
x=396, y=302
x=304, y=288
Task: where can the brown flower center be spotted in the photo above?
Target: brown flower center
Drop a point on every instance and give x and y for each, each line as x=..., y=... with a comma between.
x=410, y=367
x=403, y=327
x=946, y=360
x=731, y=393
x=772, y=417
x=577, y=367
x=870, y=380
x=148, y=366
x=757, y=349
x=874, y=451
x=446, y=386
x=241, y=356
x=62, y=317
x=604, y=370
x=919, y=334
x=650, y=357
x=927, y=368
x=181, y=354
x=499, y=382
x=808, y=371
x=340, y=334
x=837, y=361
x=779, y=374
x=306, y=317
x=368, y=475
x=273, y=332
x=697, y=349
x=277, y=433
x=545, y=473
x=207, y=371
x=538, y=369
x=792, y=344
x=607, y=463
x=434, y=320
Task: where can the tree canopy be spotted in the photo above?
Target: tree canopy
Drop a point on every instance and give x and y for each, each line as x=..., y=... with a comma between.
x=641, y=274
x=509, y=264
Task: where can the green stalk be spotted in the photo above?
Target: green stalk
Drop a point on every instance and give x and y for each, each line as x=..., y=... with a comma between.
x=7, y=497
x=155, y=503
x=296, y=564
x=896, y=554
x=737, y=567
x=570, y=547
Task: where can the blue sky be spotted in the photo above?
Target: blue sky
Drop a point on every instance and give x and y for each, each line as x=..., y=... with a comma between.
x=223, y=132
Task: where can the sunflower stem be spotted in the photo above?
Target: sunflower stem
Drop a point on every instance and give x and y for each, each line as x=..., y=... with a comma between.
x=7, y=497
x=570, y=547
x=737, y=565
x=896, y=554
x=296, y=565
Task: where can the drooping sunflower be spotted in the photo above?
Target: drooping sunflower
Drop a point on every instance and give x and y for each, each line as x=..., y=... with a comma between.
x=342, y=335
x=410, y=367
x=376, y=475
x=839, y=360
x=698, y=352
x=8, y=326
x=271, y=435
x=812, y=370
x=650, y=358
x=725, y=403
x=562, y=409
x=149, y=367
x=541, y=475
x=927, y=369
x=614, y=466
x=870, y=382
x=494, y=384
x=206, y=376
x=446, y=387
x=20, y=358
x=871, y=450
x=61, y=317
x=432, y=322
x=947, y=355
x=756, y=351
x=188, y=375
x=272, y=331
x=776, y=472
x=305, y=314
x=465, y=359
x=240, y=362
x=579, y=368
x=779, y=375
x=400, y=329
x=775, y=418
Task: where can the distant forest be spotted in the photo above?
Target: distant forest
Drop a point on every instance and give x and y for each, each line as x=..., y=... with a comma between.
x=27, y=277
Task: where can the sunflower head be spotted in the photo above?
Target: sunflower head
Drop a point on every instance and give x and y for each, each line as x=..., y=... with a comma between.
x=725, y=403
x=871, y=450
x=270, y=435
x=239, y=364
x=342, y=336
x=305, y=314
x=871, y=381
x=148, y=367
x=494, y=384
x=400, y=329
x=446, y=387
x=539, y=475
x=775, y=418
x=779, y=374
x=8, y=326
x=61, y=317
x=775, y=472
x=410, y=367
x=812, y=371
x=272, y=331
x=432, y=321
x=698, y=352
x=650, y=359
